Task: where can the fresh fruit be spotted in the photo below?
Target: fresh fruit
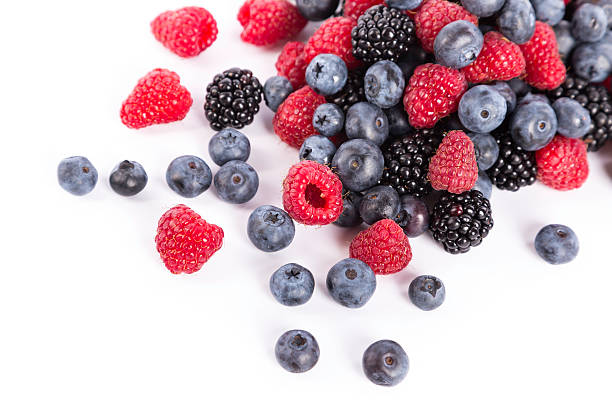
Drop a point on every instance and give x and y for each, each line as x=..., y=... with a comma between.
x=565, y=41
x=317, y=10
x=378, y=203
x=533, y=125
x=77, y=175
x=158, y=98
x=128, y=178
x=433, y=15
x=352, y=92
x=453, y=168
x=188, y=176
x=333, y=37
x=292, y=285
x=383, y=246
x=515, y=167
x=312, y=194
x=351, y=283
x=543, y=64
x=486, y=149
x=270, y=229
x=291, y=64
x=589, y=23
x=500, y=59
x=413, y=216
x=573, y=120
x=359, y=164
x=355, y=8
x=385, y=363
x=384, y=84
x=328, y=119
x=590, y=63
x=276, y=89
x=293, y=119
x=484, y=185
x=404, y=4
x=563, y=164
x=398, y=120
x=366, y=121
x=482, y=109
x=297, y=351
x=187, y=31
x=507, y=92
x=350, y=210
x=557, y=244
x=318, y=149
x=229, y=144
x=236, y=182
x=266, y=22
x=550, y=12
x=326, y=74
x=458, y=44
x=517, y=21
x=483, y=8
x=427, y=292
x=185, y=241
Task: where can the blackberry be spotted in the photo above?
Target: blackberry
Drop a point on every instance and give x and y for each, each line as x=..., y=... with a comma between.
x=352, y=92
x=382, y=33
x=514, y=167
x=595, y=99
x=232, y=99
x=461, y=221
x=407, y=161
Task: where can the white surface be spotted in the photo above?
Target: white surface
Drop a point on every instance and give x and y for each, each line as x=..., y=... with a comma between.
x=91, y=318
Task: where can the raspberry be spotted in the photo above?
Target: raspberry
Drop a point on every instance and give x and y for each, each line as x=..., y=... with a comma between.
x=333, y=37
x=562, y=164
x=185, y=241
x=312, y=194
x=158, y=98
x=266, y=22
x=293, y=119
x=355, y=8
x=433, y=92
x=544, y=67
x=383, y=246
x=187, y=31
x=453, y=167
x=434, y=15
x=499, y=60
x=292, y=65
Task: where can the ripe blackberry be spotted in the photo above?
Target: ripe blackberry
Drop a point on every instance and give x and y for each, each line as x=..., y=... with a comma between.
x=382, y=33
x=407, y=161
x=232, y=99
x=595, y=99
x=352, y=92
x=461, y=221
x=514, y=167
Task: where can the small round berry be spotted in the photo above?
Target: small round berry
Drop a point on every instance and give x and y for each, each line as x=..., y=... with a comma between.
x=326, y=74
x=427, y=292
x=557, y=244
x=188, y=176
x=404, y=4
x=516, y=21
x=367, y=121
x=270, y=229
x=378, y=203
x=484, y=185
x=413, y=216
x=507, y=92
x=319, y=149
x=458, y=44
x=398, y=120
x=589, y=23
x=328, y=119
x=550, y=12
x=227, y=145
x=276, y=89
x=486, y=149
x=77, y=175
x=385, y=363
x=533, y=125
x=573, y=120
x=351, y=282
x=384, y=84
x=590, y=63
x=292, y=285
x=565, y=40
x=483, y=8
x=482, y=109
x=297, y=351
x=317, y=10
x=128, y=178
x=350, y=210
x=236, y=182
x=359, y=163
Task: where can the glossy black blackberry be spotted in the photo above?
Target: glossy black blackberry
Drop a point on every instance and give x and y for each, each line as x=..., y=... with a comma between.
x=597, y=100
x=352, y=92
x=461, y=221
x=232, y=99
x=382, y=33
x=407, y=161
x=514, y=167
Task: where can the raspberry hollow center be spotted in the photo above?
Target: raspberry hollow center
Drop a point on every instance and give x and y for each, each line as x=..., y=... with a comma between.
x=314, y=196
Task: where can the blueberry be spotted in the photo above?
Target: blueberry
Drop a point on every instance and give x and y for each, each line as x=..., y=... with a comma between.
x=589, y=23
x=458, y=44
x=404, y=4
x=319, y=149
x=519, y=87
x=270, y=229
x=574, y=120
x=517, y=21
x=292, y=285
x=188, y=176
x=276, y=90
x=378, y=203
x=591, y=63
x=507, y=92
x=359, y=163
x=350, y=210
x=484, y=185
x=557, y=244
x=398, y=120
x=385, y=363
x=482, y=109
x=326, y=74
x=413, y=216
x=297, y=351
x=427, y=292
x=384, y=84
x=367, y=121
x=483, y=8
x=533, y=97
x=229, y=144
x=351, y=282
x=77, y=175
x=236, y=182
x=486, y=148
x=128, y=178
x=565, y=41
x=414, y=57
x=533, y=125
x=317, y=10
x=328, y=119
x=549, y=11
x=604, y=46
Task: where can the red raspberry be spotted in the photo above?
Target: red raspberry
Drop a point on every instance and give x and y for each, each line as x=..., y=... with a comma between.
x=293, y=119
x=158, y=98
x=434, y=15
x=545, y=70
x=291, y=64
x=333, y=37
x=187, y=31
x=312, y=194
x=433, y=92
x=384, y=247
x=185, y=241
x=453, y=167
x=499, y=60
x=266, y=22
x=355, y=8
x=562, y=164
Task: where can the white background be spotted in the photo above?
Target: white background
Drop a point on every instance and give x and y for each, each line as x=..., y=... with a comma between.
x=90, y=317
